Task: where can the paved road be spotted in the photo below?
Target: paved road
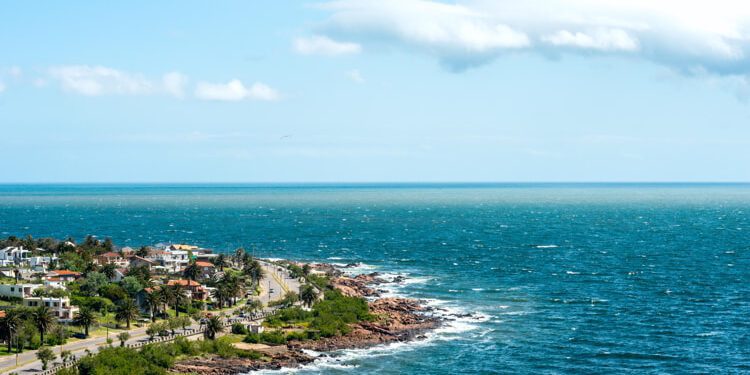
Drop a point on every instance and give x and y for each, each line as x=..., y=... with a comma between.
x=279, y=284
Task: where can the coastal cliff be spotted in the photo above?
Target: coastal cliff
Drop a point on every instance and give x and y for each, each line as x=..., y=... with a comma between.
x=393, y=320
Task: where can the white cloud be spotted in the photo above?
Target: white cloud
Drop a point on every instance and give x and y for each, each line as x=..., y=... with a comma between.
x=174, y=84
x=99, y=80
x=355, y=76
x=602, y=40
x=688, y=36
x=321, y=45
x=234, y=90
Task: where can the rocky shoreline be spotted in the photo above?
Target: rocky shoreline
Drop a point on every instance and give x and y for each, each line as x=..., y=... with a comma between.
x=396, y=320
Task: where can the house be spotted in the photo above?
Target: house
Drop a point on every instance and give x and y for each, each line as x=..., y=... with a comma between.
x=178, y=246
x=118, y=275
x=63, y=275
x=41, y=263
x=60, y=306
x=173, y=260
x=112, y=258
x=194, y=289
x=54, y=282
x=13, y=255
x=127, y=251
x=136, y=261
x=18, y=290
x=207, y=269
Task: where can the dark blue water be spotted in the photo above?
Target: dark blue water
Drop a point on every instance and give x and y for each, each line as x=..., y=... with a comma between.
x=558, y=278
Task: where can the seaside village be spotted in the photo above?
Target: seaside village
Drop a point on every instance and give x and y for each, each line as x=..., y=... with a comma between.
x=36, y=280
x=182, y=308
x=81, y=290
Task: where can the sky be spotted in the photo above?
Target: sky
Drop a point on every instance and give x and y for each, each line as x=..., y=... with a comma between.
x=375, y=91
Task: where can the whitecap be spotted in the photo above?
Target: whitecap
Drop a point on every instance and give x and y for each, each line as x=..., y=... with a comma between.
x=546, y=246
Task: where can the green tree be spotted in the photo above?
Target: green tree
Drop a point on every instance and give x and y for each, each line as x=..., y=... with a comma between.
x=254, y=270
x=142, y=252
x=43, y=320
x=132, y=285
x=192, y=271
x=213, y=327
x=108, y=270
x=127, y=311
x=9, y=326
x=308, y=295
x=154, y=300
x=123, y=336
x=94, y=281
x=221, y=262
x=85, y=318
x=45, y=355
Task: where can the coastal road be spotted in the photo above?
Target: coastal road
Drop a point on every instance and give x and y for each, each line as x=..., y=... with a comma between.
x=28, y=363
x=276, y=282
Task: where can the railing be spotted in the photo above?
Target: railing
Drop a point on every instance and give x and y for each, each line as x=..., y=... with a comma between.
x=72, y=361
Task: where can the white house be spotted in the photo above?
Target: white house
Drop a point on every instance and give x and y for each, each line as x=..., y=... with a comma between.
x=60, y=306
x=41, y=263
x=13, y=255
x=173, y=260
x=18, y=290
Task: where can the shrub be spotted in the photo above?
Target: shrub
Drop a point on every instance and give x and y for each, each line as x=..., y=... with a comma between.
x=239, y=329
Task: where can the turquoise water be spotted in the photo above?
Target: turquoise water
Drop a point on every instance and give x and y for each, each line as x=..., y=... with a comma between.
x=556, y=278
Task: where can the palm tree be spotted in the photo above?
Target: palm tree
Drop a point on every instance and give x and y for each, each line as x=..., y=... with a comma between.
x=9, y=326
x=239, y=255
x=43, y=319
x=154, y=300
x=177, y=295
x=213, y=326
x=221, y=262
x=192, y=271
x=108, y=270
x=255, y=271
x=127, y=311
x=85, y=318
x=220, y=294
x=308, y=295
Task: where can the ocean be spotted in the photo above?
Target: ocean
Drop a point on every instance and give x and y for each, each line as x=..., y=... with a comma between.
x=545, y=278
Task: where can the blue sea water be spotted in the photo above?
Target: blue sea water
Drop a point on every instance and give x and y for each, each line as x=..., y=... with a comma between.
x=556, y=278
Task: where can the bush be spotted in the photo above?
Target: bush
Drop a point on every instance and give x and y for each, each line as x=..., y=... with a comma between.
x=239, y=329
x=273, y=337
x=299, y=336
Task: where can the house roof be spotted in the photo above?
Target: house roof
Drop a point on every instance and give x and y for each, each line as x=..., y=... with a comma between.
x=65, y=273
x=2, y=314
x=111, y=254
x=135, y=257
x=204, y=264
x=183, y=283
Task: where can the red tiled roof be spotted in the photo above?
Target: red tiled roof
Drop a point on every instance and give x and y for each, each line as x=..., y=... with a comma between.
x=2, y=314
x=66, y=273
x=183, y=283
x=204, y=264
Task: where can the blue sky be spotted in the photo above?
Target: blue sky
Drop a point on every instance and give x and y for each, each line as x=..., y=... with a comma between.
x=353, y=91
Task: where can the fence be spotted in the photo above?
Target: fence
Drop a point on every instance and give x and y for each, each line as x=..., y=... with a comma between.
x=72, y=361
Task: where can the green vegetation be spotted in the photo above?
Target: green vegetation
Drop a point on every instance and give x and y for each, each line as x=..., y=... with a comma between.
x=154, y=359
x=329, y=317
x=45, y=355
x=30, y=328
